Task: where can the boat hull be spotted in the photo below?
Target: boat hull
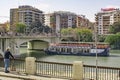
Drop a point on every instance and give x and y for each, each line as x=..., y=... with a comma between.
x=104, y=53
x=79, y=49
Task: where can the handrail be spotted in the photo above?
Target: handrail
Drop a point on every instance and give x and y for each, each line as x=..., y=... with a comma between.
x=105, y=67
x=54, y=62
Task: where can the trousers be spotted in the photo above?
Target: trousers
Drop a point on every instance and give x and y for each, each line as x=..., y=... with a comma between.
x=6, y=64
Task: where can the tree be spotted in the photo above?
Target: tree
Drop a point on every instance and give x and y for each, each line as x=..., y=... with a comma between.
x=67, y=31
x=20, y=27
x=78, y=34
x=101, y=38
x=115, y=28
x=84, y=35
x=38, y=27
x=114, y=40
x=47, y=29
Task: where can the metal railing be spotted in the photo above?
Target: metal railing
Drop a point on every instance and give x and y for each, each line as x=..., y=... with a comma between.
x=17, y=64
x=54, y=69
x=64, y=70
x=103, y=73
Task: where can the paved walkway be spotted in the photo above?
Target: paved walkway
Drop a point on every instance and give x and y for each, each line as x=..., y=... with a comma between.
x=13, y=76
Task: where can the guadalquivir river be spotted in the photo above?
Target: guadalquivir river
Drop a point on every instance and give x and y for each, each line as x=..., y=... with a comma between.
x=112, y=61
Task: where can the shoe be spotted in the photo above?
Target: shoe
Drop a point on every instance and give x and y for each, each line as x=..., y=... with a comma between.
x=7, y=71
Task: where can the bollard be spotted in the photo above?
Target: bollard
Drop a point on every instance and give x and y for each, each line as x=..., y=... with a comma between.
x=30, y=65
x=77, y=70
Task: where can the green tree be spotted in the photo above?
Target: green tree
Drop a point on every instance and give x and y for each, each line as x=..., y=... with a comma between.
x=20, y=27
x=47, y=29
x=67, y=31
x=115, y=28
x=101, y=38
x=114, y=40
x=78, y=34
x=38, y=27
x=85, y=35
x=64, y=31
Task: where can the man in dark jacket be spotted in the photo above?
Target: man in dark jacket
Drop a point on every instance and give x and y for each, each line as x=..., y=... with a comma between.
x=7, y=55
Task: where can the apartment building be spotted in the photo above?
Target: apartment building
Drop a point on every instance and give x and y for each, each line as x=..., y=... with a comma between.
x=105, y=18
x=13, y=18
x=83, y=22
x=63, y=19
x=60, y=19
x=25, y=14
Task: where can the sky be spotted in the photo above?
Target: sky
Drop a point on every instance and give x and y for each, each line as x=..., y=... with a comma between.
x=81, y=7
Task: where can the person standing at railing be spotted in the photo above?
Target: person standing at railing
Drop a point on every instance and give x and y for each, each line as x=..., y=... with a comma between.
x=7, y=55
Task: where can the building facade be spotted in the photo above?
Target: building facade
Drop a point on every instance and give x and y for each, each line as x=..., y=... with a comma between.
x=25, y=14
x=13, y=18
x=60, y=19
x=83, y=22
x=63, y=19
x=105, y=18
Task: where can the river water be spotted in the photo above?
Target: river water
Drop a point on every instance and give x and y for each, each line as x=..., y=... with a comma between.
x=112, y=61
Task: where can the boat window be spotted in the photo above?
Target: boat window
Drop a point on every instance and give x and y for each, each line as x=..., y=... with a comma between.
x=52, y=48
x=75, y=50
x=85, y=50
x=57, y=49
x=88, y=50
x=79, y=49
x=62, y=49
x=68, y=49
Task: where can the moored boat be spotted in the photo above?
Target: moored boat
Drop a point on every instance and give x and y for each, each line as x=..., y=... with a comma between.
x=80, y=49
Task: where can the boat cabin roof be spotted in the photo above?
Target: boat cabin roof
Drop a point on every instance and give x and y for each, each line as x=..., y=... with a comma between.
x=99, y=45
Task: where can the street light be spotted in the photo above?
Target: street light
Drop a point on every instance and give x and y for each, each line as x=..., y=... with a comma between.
x=95, y=34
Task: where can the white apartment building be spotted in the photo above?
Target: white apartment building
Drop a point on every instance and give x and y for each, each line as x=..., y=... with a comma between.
x=105, y=18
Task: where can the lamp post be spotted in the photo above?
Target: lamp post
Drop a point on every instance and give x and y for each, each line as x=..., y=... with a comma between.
x=95, y=34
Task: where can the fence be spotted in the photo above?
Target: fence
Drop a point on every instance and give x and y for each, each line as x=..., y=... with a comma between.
x=19, y=64
x=103, y=73
x=54, y=69
x=63, y=70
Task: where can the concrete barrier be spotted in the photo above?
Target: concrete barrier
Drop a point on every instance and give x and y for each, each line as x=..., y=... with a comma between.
x=77, y=70
x=30, y=65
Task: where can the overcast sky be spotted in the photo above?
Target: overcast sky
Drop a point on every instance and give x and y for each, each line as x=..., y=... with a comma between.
x=82, y=7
